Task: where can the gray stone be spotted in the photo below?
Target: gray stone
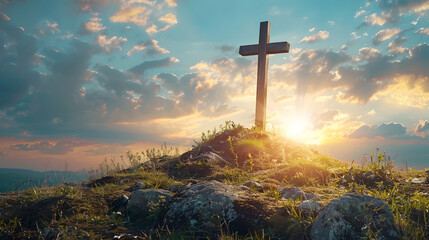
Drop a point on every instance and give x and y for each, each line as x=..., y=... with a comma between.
x=352, y=216
x=195, y=152
x=142, y=202
x=417, y=181
x=310, y=207
x=311, y=196
x=202, y=206
x=178, y=188
x=368, y=173
x=138, y=185
x=120, y=203
x=244, y=188
x=51, y=233
x=211, y=158
x=253, y=185
x=292, y=193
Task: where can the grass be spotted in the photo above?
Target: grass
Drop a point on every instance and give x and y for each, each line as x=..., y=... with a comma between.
x=86, y=212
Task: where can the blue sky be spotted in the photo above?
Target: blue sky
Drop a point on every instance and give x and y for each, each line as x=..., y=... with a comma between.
x=81, y=80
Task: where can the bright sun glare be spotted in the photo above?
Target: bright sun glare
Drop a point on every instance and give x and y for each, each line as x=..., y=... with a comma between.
x=299, y=128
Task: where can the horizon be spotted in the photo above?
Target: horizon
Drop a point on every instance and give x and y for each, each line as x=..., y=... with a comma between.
x=81, y=81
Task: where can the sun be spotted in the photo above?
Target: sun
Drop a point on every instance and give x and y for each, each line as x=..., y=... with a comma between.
x=299, y=127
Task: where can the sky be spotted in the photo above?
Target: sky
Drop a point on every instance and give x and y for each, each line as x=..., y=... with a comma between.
x=85, y=80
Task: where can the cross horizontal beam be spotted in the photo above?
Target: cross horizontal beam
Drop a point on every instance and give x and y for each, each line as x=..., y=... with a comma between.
x=278, y=47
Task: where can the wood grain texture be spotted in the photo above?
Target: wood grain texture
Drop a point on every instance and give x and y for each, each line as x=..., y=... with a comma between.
x=263, y=49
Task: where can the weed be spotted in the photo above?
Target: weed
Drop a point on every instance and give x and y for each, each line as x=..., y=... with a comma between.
x=231, y=149
x=9, y=227
x=251, y=162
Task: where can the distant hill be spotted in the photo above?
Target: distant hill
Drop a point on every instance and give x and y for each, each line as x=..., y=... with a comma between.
x=19, y=179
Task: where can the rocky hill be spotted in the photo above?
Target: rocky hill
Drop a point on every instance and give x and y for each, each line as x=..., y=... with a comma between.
x=238, y=183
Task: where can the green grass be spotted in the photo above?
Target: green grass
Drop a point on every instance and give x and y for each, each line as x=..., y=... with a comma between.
x=85, y=213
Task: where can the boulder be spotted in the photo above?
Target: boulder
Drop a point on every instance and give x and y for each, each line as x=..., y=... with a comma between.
x=136, y=186
x=297, y=193
x=202, y=206
x=353, y=216
x=195, y=152
x=253, y=185
x=178, y=188
x=206, y=206
x=291, y=193
x=311, y=196
x=310, y=207
x=120, y=203
x=417, y=180
x=143, y=202
x=211, y=158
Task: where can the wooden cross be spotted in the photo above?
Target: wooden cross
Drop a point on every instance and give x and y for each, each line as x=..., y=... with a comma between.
x=262, y=50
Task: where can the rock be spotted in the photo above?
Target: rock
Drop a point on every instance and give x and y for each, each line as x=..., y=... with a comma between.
x=211, y=158
x=202, y=206
x=51, y=233
x=253, y=185
x=417, y=181
x=244, y=188
x=120, y=203
x=195, y=152
x=310, y=207
x=137, y=185
x=142, y=202
x=352, y=216
x=178, y=188
x=291, y=193
x=368, y=173
x=310, y=196
x=205, y=206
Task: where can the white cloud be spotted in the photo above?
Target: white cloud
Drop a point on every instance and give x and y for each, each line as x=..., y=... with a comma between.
x=380, y=20
x=152, y=29
x=415, y=21
x=138, y=15
x=94, y=25
x=368, y=53
x=4, y=17
x=321, y=35
x=90, y=5
x=110, y=44
x=396, y=45
x=169, y=19
x=371, y=113
x=148, y=2
x=360, y=13
x=423, y=31
x=171, y=3
x=384, y=35
x=48, y=27
x=151, y=46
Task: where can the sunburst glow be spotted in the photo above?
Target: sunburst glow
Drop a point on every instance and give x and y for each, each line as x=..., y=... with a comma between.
x=299, y=127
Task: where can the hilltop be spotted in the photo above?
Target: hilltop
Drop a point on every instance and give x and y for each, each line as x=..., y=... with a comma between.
x=236, y=183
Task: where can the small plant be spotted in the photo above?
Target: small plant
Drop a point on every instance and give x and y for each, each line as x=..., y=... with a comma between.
x=231, y=149
x=251, y=162
x=9, y=227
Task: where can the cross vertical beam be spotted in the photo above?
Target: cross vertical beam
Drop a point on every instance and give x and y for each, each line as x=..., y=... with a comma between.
x=261, y=89
x=262, y=50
